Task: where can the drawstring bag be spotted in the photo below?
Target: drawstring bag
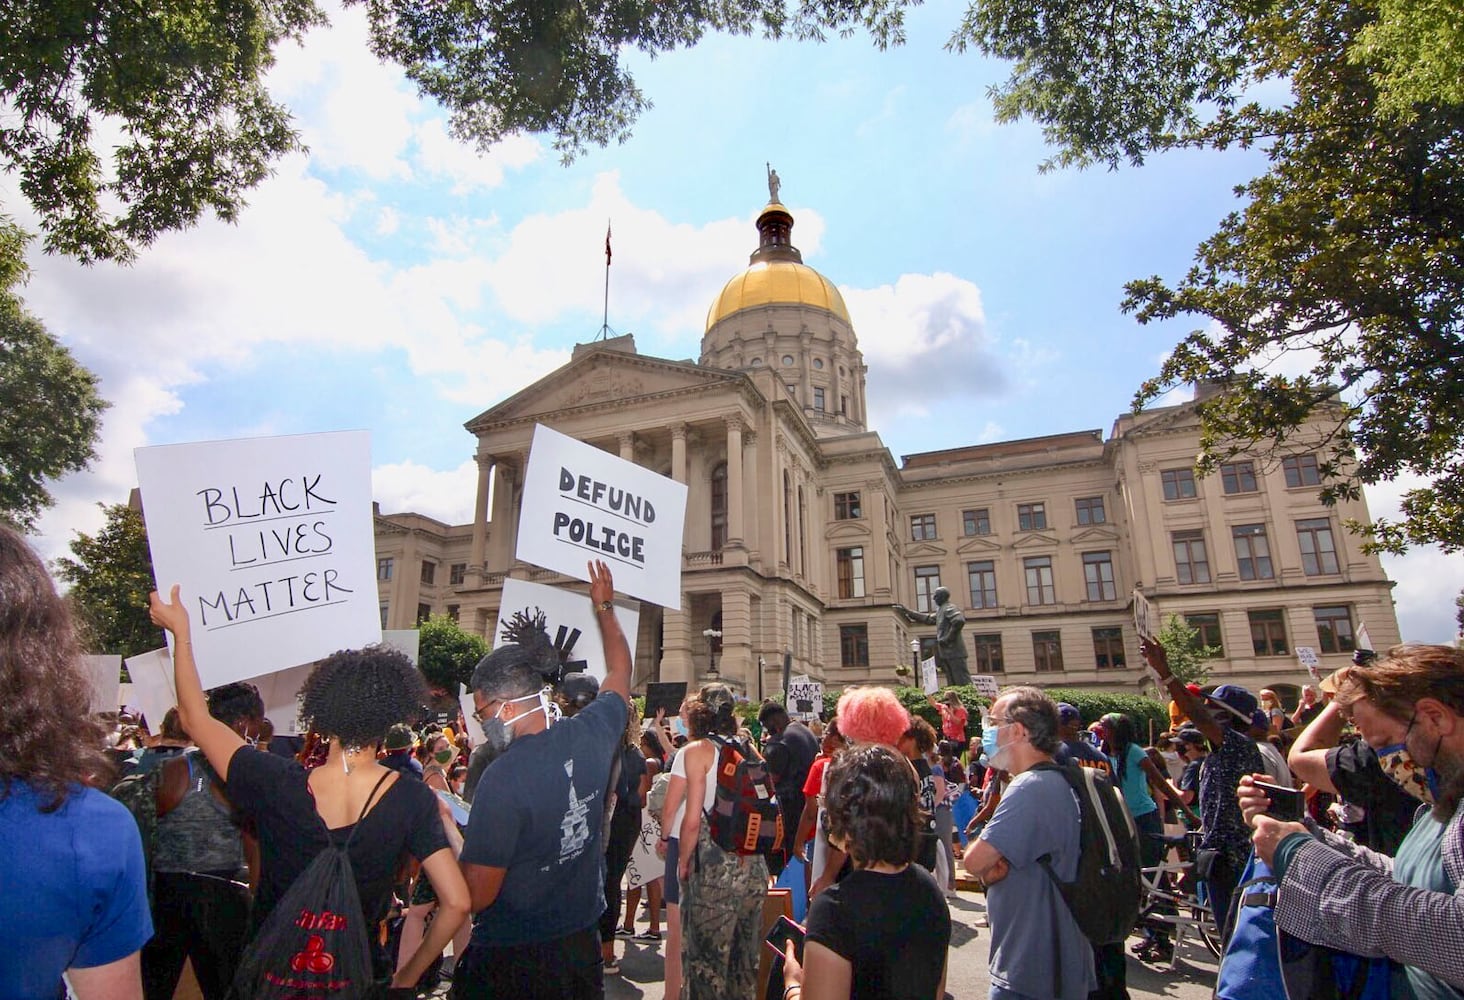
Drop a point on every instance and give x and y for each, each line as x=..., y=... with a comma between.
x=314, y=945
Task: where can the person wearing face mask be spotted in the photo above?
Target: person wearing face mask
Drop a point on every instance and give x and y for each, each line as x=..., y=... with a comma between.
x=201, y=882
x=532, y=855
x=1037, y=947
x=1410, y=708
x=440, y=753
x=1223, y=717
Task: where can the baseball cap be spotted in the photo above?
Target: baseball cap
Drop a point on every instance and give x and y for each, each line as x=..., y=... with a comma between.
x=1260, y=720
x=579, y=689
x=1190, y=735
x=1235, y=699
x=1067, y=713
x=399, y=737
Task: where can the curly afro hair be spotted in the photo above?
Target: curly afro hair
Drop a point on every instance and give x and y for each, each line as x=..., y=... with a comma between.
x=356, y=695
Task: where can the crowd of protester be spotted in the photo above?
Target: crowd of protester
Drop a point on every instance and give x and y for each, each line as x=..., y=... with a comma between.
x=516, y=867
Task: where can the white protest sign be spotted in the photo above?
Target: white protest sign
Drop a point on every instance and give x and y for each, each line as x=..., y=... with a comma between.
x=1146, y=619
x=404, y=640
x=152, y=685
x=280, y=692
x=104, y=673
x=271, y=541
x=1364, y=640
x=805, y=697
x=985, y=685
x=475, y=728
x=1307, y=657
x=569, y=619
x=581, y=503
x=929, y=682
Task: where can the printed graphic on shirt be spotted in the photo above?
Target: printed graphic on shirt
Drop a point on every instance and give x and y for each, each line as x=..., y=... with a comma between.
x=575, y=827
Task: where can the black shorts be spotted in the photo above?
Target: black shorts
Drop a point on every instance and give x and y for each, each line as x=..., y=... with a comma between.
x=567, y=968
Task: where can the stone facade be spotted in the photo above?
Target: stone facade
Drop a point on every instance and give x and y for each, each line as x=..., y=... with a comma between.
x=802, y=530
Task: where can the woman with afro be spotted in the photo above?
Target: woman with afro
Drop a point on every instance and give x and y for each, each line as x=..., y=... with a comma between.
x=350, y=699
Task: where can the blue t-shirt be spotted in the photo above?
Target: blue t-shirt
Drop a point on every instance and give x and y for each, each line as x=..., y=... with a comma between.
x=1134, y=783
x=73, y=889
x=1420, y=863
x=1032, y=929
x=538, y=813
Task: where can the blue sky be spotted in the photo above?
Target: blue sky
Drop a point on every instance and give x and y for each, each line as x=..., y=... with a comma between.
x=394, y=279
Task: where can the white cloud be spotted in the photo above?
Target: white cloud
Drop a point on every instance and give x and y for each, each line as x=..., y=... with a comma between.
x=1427, y=579
x=408, y=486
x=439, y=155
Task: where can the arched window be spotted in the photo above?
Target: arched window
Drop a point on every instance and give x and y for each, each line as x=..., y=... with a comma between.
x=719, y=506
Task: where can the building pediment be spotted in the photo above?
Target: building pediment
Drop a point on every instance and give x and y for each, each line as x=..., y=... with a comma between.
x=600, y=378
x=978, y=545
x=922, y=549
x=852, y=531
x=1097, y=533
x=1035, y=540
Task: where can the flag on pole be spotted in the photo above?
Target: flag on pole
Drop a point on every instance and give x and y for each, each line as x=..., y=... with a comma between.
x=607, y=244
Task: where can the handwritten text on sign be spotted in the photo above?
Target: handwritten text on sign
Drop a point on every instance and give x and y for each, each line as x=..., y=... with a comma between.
x=581, y=503
x=270, y=540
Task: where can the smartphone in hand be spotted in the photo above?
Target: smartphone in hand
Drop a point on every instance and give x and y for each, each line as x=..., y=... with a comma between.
x=1287, y=804
x=783, y=931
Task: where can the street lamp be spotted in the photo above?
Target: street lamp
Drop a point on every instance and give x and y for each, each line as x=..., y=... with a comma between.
x=712, y=636
x=915, y=657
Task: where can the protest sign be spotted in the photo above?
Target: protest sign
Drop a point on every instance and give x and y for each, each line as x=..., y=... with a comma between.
x=271, y=541
x=475, y=728
x=985, y=685
x=805, y=697
x=929, y=682
x=104, y=673
x=1307, y=656
x=152, y=685
x=1364, y=640
x=581, y=503
x=668, y=695
x=570, y=621
x=1146, y=618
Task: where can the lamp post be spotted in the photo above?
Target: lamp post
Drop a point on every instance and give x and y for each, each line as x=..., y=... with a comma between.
x=761, y=667
x=915, y=658
x=712, y=636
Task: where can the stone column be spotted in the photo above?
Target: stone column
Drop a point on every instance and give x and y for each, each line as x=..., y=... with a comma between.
x=734, y=480
x=678, y=452
x=675, y=647
x=737, y=661
x=480, y=517
x=627, y=446
x=500, y=555
x=780, y=534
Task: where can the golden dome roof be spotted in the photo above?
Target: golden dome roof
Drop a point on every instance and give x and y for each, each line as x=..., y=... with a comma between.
x=777, y=282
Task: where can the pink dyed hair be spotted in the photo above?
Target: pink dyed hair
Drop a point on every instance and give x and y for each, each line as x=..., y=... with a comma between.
x=872, y=715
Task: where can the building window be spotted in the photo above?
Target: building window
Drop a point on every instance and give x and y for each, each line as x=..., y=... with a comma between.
x=1108, y=648
x=1090, y=510
x=1191, y=564
x=429, y=571
x=983, y=583
x=1268, y=632
x=1238, y=477
x=1047, y=651
x=1039, y=580
x=1318, y=550
x=719, y=506
x=927, y=580
x=1031, y=517
x=383, y=569
x=1207, y=632
x=922, y=527
x=424, y=612
x=846, y=507
x=850, y=572
x=383, y=615
x=976, y=522
x=792, y=389
x=854, y=645
x=1098, y=573
x=1301, y=470
x=988, y=654
x=787, y=361
x=843, y=405
x=1252, y=551
x=456, y=573
x=454, y=610
x=818, y=398
x=1179, y=484
x=1334, y=629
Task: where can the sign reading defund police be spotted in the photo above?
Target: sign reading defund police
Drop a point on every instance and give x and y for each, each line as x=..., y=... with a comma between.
x=270, y=540
x=581, y=503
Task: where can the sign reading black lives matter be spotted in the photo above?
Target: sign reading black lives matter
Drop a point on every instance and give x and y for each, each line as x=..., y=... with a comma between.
x=581, y=503
x=271, y=541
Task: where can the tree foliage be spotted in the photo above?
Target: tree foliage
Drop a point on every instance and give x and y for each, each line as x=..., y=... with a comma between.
x=1335, y=296
x=447, y=653
x=50, y=410
x=110, y=575
x=1186, y=655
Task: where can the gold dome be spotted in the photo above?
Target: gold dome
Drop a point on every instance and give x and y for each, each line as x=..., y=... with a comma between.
x=777, y=282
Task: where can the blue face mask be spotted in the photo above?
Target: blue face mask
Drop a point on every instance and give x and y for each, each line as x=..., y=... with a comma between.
x=988, y=740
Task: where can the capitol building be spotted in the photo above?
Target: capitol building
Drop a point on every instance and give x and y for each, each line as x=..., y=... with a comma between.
x=802, y=530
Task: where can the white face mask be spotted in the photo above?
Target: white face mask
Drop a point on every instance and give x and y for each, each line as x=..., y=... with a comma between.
x=499, y=731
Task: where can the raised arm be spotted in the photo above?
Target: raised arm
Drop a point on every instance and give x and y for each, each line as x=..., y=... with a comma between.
x=217, y=741
x=1191, y=705
x=1308, y=756
x=617, y=650
x=1159, y=781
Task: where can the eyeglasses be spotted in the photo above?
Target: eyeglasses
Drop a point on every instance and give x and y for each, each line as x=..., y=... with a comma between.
x=997, y=720
x=481, y=715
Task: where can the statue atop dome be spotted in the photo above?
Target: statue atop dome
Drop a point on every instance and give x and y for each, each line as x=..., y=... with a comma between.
x=774, y=186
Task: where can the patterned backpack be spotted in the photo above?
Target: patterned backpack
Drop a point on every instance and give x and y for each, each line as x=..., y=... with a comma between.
x=744, y=817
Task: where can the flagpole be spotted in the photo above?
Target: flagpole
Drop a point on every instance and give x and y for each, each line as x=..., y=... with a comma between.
x=605, y=317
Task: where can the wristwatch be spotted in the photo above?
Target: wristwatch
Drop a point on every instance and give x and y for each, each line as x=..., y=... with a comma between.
x=605, y=606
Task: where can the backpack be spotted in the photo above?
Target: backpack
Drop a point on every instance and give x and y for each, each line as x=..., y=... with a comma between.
x=314, y=943
x=139, y=793
x=1105, y=897
x=744, y=817
x=1262, y=962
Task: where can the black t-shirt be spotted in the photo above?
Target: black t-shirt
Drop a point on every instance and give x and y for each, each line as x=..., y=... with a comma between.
x=275, y=793
x=927, y=843
x=1357, y=777
x=627, y=788
x=894, y=930
x=790, y=754
x=1189, y=781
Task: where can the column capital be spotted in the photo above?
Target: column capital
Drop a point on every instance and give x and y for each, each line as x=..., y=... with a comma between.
x=735, y=423
x=678, y=432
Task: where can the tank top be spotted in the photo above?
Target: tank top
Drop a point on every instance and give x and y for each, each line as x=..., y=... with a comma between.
x=199, y=835
x=709, y=796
